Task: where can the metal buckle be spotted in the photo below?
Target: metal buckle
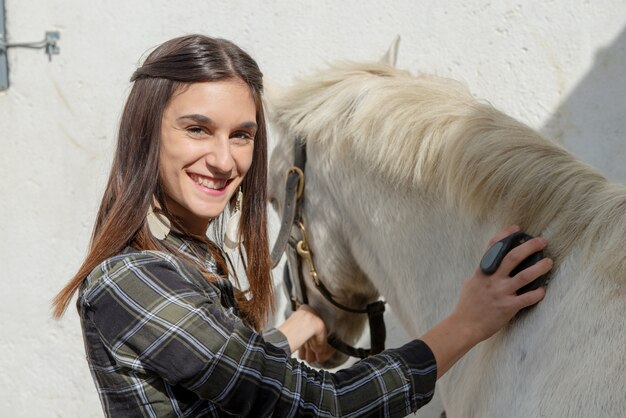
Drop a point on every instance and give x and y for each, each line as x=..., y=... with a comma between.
x=300, y=174
x=303, y=250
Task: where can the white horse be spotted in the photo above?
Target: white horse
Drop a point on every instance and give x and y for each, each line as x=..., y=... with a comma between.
x=406, y=179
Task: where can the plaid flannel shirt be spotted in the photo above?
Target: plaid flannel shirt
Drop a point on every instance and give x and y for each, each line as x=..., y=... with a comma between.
x=161, y=341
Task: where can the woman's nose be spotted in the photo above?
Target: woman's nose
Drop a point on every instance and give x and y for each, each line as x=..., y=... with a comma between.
x=219, y=156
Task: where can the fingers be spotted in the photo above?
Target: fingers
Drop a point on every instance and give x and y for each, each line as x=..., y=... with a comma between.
x=324, y=353
x=311, y=352
x=503, y=233
x=520, y=253
x=302, y=352
x=319, y=348
x=316, y=348
x=306, y=354
x=528, y=275
x=530, y=298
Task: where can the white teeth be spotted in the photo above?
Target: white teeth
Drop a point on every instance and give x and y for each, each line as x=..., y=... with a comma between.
x=211, y=184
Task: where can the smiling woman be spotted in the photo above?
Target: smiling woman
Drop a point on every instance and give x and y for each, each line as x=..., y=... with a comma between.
x=207, y=142
x=176, y=99
x=166, y=333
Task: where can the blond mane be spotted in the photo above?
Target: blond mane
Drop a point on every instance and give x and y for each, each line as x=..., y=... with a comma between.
x=431, y=134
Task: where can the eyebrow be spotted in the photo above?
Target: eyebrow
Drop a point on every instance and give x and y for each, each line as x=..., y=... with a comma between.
x=197, y=118
x=208, y=121
x=249, y=125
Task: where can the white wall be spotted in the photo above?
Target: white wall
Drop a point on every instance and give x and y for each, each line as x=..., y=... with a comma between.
x=558, y=65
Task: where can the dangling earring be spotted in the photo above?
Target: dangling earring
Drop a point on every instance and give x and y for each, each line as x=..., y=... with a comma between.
x=158, y=224
x=231, y=232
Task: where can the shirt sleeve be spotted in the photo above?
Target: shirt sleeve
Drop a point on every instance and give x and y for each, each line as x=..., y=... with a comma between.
x=154, y=318
x=276, y=337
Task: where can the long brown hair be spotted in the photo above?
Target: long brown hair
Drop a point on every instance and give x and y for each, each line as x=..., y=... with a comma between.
x=134, y=180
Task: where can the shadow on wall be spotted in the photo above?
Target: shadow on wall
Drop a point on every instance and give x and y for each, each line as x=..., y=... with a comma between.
x=591, y=122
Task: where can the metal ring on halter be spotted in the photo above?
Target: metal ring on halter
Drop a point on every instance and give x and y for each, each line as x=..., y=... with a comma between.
x=300, y=174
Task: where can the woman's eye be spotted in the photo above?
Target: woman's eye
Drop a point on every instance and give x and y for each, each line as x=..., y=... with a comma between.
x=195, y=130
x=242, y=136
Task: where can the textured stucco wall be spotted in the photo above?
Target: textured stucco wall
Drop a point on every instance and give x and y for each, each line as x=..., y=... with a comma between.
x=558, y=65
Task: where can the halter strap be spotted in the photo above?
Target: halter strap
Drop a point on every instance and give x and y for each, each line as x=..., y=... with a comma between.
x=293, y=192
x=378, y=334
x=291, y=221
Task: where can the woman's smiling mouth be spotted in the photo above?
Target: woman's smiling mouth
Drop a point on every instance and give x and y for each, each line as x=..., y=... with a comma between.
x=209, y=182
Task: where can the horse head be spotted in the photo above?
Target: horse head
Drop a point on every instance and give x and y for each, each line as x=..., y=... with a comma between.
x=323, y=232
x=329, y=233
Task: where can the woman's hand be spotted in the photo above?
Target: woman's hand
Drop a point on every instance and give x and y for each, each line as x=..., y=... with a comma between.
x=306, y=333
x=487, y=303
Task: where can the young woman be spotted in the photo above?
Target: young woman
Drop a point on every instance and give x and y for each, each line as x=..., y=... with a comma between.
x=166, y=334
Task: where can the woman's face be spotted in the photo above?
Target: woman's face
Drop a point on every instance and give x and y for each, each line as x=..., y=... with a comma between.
x=207, y=139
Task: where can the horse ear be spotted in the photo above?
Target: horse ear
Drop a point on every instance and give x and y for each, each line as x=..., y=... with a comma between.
x=391, y=56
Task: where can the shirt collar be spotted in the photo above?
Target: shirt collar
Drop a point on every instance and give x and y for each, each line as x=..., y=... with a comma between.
x=193, y=248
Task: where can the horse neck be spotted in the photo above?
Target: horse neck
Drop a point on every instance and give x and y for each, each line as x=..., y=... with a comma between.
x=415, y=251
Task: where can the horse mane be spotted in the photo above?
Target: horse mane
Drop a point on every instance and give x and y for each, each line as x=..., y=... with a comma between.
x=430, y=134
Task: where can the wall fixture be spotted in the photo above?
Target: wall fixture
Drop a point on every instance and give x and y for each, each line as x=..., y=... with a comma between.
x=49, y=43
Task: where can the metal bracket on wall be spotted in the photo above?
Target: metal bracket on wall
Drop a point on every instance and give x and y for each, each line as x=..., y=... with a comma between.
x=49, y=44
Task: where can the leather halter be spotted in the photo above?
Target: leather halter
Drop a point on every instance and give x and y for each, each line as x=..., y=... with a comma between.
x=292, y=239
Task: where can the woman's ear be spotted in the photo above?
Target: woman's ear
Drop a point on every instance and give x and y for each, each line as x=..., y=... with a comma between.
x=391, y=56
